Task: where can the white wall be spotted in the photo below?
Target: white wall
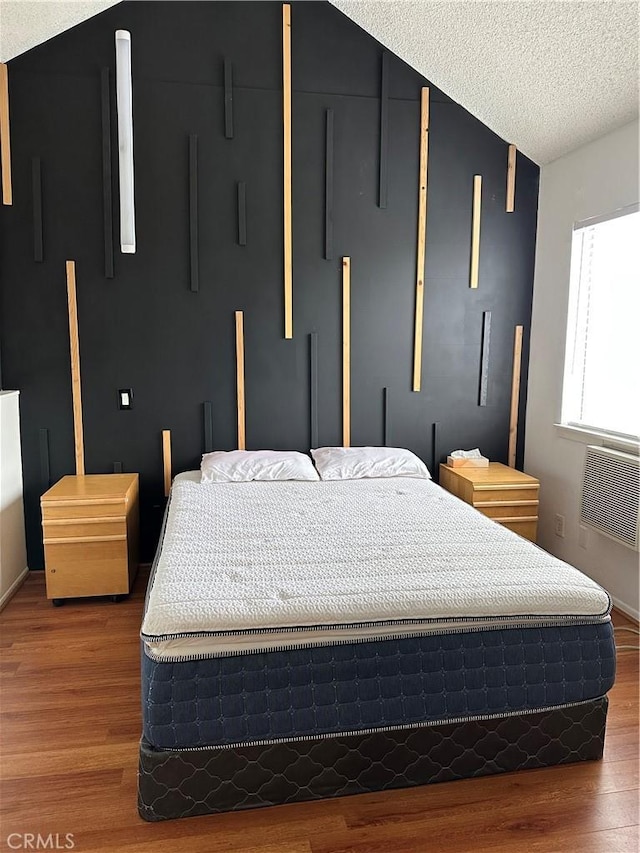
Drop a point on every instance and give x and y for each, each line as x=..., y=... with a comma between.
x=13, y=555
x=595, y=179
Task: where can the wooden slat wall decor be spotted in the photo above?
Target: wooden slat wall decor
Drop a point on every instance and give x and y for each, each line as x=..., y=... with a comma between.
x=117, y=467
x=511, y=179
x=346, y=352
x=207, y=424
x=386, y=422
x=328, y=186
x=384, y=130
x=107, y=198
x=274, y=375
x=45, y=466
x=288, y=231
x=313, y=389
x=76, y=387
x=435, y=468
x=422, y=237
x=193, y=213
x=228, y=99
x=484, y=358
x=240, y=380
x=166, y=460
x=36, y=193
x=515, y=395
x=5, y=136
x=242, y=213
x=475, y=231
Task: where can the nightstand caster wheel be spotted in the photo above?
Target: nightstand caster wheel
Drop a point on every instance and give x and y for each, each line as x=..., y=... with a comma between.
x=58, y=602
x=117, y=598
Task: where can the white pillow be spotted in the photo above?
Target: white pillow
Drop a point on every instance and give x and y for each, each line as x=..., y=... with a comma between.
x=242, y=466
x=356, y=463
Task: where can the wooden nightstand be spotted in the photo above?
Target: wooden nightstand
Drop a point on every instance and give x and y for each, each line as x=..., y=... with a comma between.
x=90, y=528
x=499, y=492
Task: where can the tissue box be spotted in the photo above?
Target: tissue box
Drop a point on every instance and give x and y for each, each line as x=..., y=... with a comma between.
x=481, y=462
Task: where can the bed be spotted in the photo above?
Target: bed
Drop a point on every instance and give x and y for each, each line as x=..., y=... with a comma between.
x=313, y=639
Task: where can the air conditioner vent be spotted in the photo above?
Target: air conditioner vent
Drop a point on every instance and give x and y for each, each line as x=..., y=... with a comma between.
x=611, y=494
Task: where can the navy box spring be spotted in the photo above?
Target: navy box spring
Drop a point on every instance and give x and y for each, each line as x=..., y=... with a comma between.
x=384, y=684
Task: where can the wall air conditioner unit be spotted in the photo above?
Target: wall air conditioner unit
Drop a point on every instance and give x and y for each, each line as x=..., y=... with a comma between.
x=611, y=494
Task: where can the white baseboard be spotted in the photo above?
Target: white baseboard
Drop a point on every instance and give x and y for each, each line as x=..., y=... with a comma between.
x=625, y=608
x=15, y=586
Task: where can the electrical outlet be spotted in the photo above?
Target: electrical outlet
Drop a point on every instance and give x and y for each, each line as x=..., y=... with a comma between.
x=559, y=526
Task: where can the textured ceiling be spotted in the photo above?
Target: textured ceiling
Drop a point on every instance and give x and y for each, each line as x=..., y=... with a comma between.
x=547, y=75
x=26, y=23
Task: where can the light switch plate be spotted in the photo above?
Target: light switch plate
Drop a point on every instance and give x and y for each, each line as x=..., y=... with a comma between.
x=125, y=398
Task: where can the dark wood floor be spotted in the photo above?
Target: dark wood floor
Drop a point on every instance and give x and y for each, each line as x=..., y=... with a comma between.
x=70, y=724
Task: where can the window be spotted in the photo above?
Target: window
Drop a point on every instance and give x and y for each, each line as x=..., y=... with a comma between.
x=602, y=365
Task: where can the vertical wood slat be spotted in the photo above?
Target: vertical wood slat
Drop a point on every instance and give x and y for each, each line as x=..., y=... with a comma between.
x=435, y=468
x=76, y=387
x=386, y=422
x=207, y=424
x=166, y=460
x=422, y=238
x=313, y=389
x=117, y=467
x=515, y=395
x=286, y=111
x=475, y=231
x=5, y=136
x=328, y=186
x=193, y=213
x=36, y=193
x=107, y=193
x=45, y=467
x=242, y=213
x=484, y=358
x=511, y=179
x=384, y=131
x=346, y=352
x=228, y=99
x=240, y=397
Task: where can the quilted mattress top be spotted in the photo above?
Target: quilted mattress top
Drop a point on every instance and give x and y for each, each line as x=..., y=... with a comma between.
x=253, y=566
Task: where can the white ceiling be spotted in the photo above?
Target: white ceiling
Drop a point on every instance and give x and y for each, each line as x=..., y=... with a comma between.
x=547, y=75
x=26, y=23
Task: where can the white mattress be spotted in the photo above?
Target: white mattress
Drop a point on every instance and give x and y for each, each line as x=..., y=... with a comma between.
x=255, y=566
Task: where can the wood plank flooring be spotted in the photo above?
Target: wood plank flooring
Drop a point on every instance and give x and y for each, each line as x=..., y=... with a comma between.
x=70, y=724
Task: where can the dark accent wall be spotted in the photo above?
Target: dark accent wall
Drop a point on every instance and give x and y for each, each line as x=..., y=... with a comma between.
x=147, y=328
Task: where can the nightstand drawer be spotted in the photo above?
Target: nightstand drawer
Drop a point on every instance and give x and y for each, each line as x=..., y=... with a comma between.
x=503, y=494
x=84, y=509
x=509, y=509
x=90, y=533
x=526, y=529
x=87, y=568
x=498, y=494
x=84, y=528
